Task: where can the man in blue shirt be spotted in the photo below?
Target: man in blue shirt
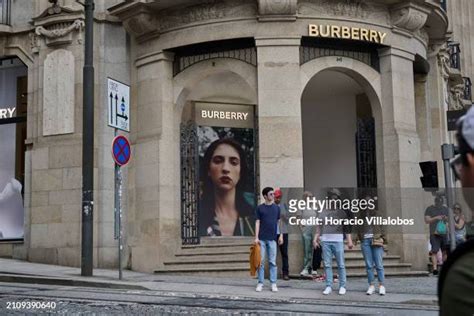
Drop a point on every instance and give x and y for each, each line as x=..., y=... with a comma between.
x=266, y=230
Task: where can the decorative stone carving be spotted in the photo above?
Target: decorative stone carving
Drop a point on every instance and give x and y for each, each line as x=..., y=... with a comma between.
x=357, y=9
x=60, y=33
x=277, y=7
x=57, y=24
x=456, y=98
x=140, y=24
x=409, y=16
x=138, y=19
x=210, y=10
x=58, y=93
x=444, y=61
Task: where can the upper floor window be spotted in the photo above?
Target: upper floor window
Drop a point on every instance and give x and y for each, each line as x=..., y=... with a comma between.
x=5, y=9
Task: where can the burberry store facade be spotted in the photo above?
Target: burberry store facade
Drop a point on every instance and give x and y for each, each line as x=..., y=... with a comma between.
x=298, y=93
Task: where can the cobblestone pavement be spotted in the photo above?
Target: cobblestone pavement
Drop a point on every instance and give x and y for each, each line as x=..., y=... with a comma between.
x=99, y=301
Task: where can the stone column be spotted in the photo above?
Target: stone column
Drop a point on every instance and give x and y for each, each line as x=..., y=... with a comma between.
x=279, y=112
x=154, y=230
x=423, y=117
x=401, y=155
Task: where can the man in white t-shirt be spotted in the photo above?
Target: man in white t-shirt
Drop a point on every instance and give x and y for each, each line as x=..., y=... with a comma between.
x=332, y=243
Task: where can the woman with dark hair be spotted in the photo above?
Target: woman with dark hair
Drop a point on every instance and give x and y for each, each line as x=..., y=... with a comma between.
x=223, y=210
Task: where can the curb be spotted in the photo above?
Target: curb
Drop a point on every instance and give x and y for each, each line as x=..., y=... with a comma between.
x=33, y=279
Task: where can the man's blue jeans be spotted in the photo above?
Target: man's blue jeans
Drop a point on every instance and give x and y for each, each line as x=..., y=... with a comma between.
x=268, y=247
x=335, y=248
x=373, y=256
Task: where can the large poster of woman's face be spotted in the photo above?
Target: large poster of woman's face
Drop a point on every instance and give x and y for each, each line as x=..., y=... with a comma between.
x=227, y=181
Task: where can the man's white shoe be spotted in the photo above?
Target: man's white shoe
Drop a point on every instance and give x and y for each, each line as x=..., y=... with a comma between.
x=327, y=291
x=304, y=272
x=342, y=291
x=314, y=272
x=371, y=290
x=259, y=287
x=382, y=290
x=274, y=288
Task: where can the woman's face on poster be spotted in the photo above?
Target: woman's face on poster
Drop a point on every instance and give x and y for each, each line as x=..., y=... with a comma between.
x=224, y=168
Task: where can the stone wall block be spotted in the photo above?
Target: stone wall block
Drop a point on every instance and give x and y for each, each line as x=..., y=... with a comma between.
x=72, y=178
x=46, y=214
x=39, y=159
x=46, y=180
x=63, y=197
x=64, y=156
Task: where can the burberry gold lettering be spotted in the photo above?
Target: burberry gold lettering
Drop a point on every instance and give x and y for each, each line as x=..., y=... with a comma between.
x=346, y=32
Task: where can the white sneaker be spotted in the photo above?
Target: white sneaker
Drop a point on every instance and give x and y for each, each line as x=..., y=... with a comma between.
x=342, y=290
x=371, y=290
x=382, y=290
x=304, y=272
x=327, y=291
x=274, y=287
x=314, y=272
x=259, y=287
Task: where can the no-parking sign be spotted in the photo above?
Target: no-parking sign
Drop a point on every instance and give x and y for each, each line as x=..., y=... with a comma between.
x=121, y=151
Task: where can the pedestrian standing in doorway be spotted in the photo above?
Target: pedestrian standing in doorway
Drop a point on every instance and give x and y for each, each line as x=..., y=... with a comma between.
x=266, y=231
x=284, y=216
x=332, y=242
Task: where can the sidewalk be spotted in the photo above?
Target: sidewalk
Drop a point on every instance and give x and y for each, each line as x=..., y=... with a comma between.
x=406, y=291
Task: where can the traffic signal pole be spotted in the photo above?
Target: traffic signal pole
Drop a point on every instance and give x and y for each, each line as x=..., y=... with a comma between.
x=88, y=144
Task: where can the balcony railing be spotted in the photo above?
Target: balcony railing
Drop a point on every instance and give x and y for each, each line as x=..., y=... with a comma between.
x=444, y=4
x=467, y=89
x=455, y=55
x=5, y=10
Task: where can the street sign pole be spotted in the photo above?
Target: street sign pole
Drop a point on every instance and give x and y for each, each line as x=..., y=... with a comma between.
x=120, y=250
x=121, y=152
x=119, y=118
x=118, y=213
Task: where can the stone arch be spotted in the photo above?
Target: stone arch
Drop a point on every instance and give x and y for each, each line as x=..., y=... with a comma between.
x=368, y=78
x=186, y=81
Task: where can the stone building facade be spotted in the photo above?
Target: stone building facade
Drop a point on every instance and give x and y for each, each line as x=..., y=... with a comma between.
x=389, y=59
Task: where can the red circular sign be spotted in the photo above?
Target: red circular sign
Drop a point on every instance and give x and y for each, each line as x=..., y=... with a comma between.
x=121, y=150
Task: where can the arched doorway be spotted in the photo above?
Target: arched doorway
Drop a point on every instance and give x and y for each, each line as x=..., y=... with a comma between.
x=339, y=139
x=219, y=109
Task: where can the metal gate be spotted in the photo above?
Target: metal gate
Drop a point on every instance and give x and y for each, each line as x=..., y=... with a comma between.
x=366, y=155
x=189, y=184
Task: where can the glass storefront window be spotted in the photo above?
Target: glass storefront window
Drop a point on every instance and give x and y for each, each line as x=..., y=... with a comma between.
x=13, y=105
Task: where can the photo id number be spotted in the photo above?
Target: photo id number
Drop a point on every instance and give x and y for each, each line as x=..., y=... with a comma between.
x=30, y=305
